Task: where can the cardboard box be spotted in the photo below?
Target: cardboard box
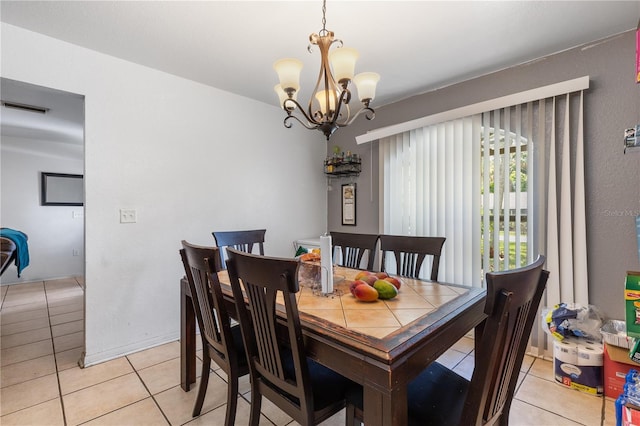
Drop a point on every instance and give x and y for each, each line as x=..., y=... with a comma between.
x=632, y=303
x=616, y=366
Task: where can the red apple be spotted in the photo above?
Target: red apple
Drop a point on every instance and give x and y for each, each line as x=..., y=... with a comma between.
x=395, y=281
x=381, y=275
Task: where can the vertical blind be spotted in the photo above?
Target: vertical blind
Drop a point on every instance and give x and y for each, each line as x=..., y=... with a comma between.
x=502, y=186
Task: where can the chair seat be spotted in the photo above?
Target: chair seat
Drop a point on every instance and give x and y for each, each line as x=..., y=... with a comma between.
x=328, y=386
x=435, y=397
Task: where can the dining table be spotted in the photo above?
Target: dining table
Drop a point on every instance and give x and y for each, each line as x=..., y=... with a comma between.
x=381, y=345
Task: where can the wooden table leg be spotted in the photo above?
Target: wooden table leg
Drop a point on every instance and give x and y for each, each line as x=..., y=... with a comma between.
x=187, y=338
x=385, y=409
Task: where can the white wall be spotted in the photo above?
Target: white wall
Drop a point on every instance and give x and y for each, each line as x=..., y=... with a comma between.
x=53, y=231
x=190, y=159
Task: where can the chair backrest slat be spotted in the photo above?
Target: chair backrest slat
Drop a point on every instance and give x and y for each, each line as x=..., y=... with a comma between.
x=240, y=240
x=353, y=248
x=410, y=253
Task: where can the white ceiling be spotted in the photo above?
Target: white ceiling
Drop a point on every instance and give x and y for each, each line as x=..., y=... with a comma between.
x=416, y=46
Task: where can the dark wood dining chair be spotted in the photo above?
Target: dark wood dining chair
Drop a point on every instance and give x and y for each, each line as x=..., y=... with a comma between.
x=410, y=253
x=353, y=247
x=221, y=342
x=278, y=365
x=438, y=396
x=239, y=240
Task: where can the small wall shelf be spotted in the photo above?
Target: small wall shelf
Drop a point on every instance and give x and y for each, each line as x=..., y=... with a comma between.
x=342, y=167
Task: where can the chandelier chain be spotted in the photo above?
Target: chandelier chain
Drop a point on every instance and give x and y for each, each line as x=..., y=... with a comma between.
x=324, y=18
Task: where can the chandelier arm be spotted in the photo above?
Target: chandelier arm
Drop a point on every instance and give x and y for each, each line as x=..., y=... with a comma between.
x=308, y=126
x=370, y=115
x=290, y=113
x=345, y=97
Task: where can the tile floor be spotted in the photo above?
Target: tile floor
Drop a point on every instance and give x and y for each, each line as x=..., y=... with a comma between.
x=41, y=340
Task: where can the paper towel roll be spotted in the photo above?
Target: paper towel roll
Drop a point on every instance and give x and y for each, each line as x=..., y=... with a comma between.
x=565, y=351
x=326, y=264
x=590, y=355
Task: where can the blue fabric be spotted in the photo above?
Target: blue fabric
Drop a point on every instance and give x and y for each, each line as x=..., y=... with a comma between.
x=22, y=249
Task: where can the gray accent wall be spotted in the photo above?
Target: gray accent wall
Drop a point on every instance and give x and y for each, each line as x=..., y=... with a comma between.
x=612, y=104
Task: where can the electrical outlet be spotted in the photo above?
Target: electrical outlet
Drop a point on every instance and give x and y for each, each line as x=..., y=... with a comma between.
x=128, y=216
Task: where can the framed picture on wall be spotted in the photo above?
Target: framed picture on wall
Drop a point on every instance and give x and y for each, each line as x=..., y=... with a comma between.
x=349, y=204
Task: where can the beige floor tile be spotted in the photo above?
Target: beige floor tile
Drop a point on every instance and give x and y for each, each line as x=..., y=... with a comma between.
x=68, y=317
x=465, y=367
x=61, y=283
x=527, y=361
x=543, y=369
x=68, y=359
x=451, y=358
x=65, y=309
x=94, y=401
x=23, y=299
x=24, y=288
x=28, y=394
x=67, y=328
x=74, y=379
x=163, y=376
x=23, y=338
x=217, y=416
x=177, y=404
x=48, y=413
x=141, y=413
x=272, y=412
x=609, y=413
x=3, y=291
x=27, y=313
x=72, y=300
x=68, y=341
x=523, y=414
x=19, y=327
x=551, y=396
x=25, y=352
x=465, y=345
x=65, y=297
x=27, y=370
x=23, y=308
x=156, y=355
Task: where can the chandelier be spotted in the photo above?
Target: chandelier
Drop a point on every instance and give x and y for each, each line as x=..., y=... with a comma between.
x=329, y=103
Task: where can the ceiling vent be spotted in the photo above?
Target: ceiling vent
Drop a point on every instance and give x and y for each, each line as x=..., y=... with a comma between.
x=24, y=107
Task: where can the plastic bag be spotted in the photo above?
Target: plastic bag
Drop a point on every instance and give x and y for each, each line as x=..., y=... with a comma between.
x=569, y=319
